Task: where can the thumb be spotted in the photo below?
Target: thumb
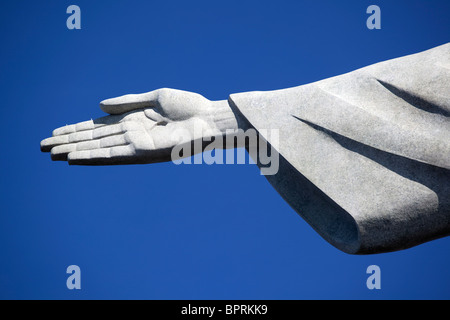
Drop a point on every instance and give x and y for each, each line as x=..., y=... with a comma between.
x=130, y=102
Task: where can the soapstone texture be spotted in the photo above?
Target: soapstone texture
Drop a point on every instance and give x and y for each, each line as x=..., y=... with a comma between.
x=364, y=156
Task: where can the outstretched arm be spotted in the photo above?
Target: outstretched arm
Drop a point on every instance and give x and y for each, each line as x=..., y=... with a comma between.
x=141, y=128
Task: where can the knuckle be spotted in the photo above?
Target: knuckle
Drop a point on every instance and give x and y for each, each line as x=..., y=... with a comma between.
x=163, y=94
x=128, y=137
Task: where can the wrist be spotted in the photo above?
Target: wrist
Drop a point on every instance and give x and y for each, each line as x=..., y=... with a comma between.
x=223, y=116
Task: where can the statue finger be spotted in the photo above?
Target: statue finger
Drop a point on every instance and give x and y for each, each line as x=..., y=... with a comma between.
x=130, y=102
x=81, y=126
x=103, y=156
x=59, y=153
x=100, y=131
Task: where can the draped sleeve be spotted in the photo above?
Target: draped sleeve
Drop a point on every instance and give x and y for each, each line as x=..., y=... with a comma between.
x=364, y=156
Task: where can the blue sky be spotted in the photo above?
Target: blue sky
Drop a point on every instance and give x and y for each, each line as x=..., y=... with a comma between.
x=164, y=231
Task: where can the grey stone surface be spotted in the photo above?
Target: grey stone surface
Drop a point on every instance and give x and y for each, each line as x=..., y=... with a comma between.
x=364, y=156
x=141, y=128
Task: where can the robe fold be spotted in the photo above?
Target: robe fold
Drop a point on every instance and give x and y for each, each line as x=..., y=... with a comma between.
x=364, y=156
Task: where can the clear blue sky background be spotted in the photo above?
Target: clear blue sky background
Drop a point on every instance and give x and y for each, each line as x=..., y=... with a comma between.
x=191, y=231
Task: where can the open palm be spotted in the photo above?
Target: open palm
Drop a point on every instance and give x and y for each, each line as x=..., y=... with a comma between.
x=141, y=128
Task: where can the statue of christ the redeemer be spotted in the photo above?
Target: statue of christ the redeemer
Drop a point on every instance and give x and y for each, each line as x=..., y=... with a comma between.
x=364, y=157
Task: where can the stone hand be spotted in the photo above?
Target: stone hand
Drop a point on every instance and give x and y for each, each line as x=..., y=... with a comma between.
x=141, y=128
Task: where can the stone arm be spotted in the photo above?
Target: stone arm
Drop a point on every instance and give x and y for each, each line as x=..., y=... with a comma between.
x=141, y=128
x=364, y=157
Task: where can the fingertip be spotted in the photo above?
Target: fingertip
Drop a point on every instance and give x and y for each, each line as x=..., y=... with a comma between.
x=110, y=107
x=128, y=102
x=64, y=130
x=44, y=146
x=78, y=157
x=58, y=156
